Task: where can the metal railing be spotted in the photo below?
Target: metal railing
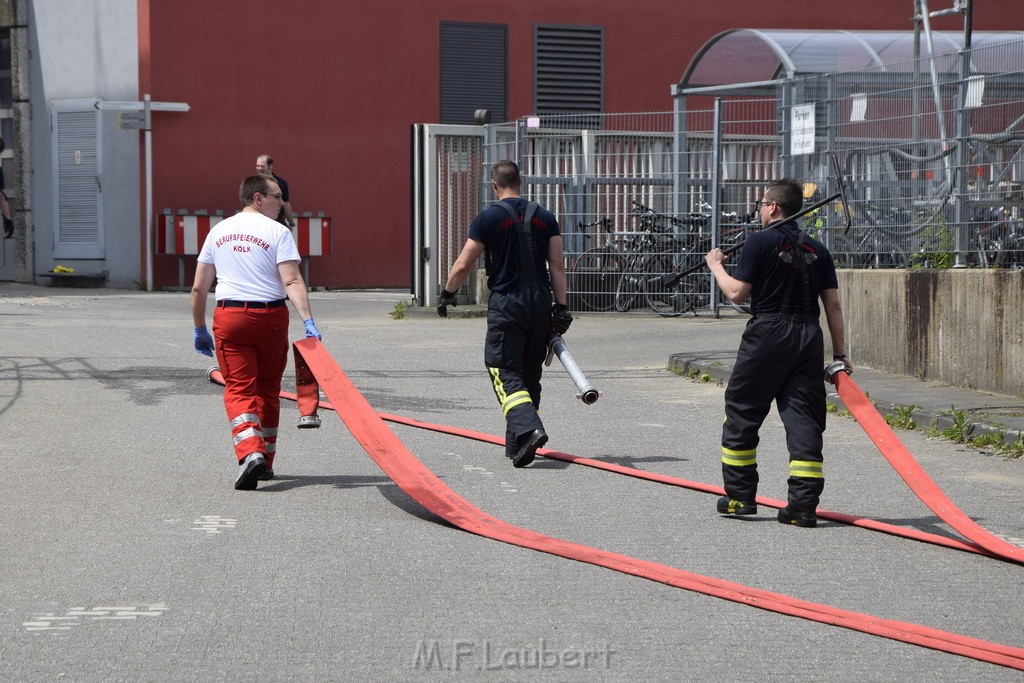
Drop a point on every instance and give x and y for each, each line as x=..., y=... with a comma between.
x=934, y=163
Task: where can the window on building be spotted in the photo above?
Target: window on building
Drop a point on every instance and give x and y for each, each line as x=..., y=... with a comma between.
x=474, y=71
x=568, y=69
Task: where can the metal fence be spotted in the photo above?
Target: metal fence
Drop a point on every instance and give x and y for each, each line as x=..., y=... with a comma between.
x=931, y=151
x=934, y=162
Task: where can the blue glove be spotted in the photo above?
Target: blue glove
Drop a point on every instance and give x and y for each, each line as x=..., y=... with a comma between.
x=203, y=341
x=311, y=330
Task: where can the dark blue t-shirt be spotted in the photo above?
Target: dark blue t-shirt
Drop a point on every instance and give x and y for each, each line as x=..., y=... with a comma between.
x=760, y=265
x=283, y=184
x=499, y=234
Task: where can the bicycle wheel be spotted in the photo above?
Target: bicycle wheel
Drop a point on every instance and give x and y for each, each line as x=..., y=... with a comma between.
x=668, y=302
x=628, y=289
x=688, y=295
x=694, y=289
x=595, y=277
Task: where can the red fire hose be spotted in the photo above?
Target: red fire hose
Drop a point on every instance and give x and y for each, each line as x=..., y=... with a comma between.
x=391, y=455
x=917, y=479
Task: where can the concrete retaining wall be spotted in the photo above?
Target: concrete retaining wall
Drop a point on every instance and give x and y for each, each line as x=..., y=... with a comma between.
x=964, y=327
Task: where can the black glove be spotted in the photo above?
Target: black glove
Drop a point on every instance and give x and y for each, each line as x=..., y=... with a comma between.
x=561, y=318
x=444, y=300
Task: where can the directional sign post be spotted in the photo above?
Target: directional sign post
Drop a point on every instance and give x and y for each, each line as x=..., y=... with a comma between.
x=137, y=115
x=112, y=105
x=128, y=120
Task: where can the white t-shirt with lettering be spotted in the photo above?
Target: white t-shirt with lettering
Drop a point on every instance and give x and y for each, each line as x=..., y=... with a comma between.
x=245, y=250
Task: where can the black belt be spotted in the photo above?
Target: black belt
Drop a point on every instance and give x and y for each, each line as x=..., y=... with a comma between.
x=231, y=303
x=794, y=317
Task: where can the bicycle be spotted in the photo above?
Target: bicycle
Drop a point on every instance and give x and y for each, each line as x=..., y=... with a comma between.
x=596, y=273
x=695, y=290
x=997, y=239
x=654, y=253
x=673, y=250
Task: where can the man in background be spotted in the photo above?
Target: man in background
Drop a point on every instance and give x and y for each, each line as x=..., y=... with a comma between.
x=265, y=167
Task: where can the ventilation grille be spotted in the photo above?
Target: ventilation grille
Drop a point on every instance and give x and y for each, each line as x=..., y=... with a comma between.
x=474, y=71
x=569, y=69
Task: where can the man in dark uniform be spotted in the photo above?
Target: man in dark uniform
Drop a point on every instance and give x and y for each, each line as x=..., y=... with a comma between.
x=522, y=244
x=265, y=167
x=780, y=357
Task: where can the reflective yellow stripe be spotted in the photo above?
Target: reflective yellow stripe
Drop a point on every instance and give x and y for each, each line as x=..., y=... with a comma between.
x=739, y=458
x=499, y=388
x=508, y=401
x=515, y=399
x=809, y=469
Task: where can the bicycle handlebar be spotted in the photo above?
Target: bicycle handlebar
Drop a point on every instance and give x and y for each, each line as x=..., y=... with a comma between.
x=604, y=223
x=672, y=279
x=691, y=219
x=649, y=213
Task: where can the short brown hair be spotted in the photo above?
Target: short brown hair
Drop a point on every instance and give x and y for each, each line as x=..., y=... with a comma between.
x=250, y=186
x=506, y=174
x=788, y=194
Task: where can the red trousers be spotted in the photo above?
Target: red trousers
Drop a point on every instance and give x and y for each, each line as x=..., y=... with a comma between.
x=252, y=351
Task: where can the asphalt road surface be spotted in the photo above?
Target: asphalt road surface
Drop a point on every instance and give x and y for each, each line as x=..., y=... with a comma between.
x=126, y=553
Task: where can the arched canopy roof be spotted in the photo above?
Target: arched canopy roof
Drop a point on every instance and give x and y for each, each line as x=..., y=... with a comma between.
x=747, y=55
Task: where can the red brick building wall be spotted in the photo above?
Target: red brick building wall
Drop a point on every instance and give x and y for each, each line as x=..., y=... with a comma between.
x=331, y=88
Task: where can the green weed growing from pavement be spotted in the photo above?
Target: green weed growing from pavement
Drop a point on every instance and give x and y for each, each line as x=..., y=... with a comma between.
x=991, y=439
x=960, y=430
x=831, y=407
x=401, y=306
x=689, y=372
x=902, y=417
x=1013, y=450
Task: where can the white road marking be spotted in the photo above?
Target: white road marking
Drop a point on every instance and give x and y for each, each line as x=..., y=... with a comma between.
x=75, y=616
x=213, y=524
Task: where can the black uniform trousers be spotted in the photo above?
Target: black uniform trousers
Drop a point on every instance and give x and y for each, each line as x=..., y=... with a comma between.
x=780, y=359
x=518, y=327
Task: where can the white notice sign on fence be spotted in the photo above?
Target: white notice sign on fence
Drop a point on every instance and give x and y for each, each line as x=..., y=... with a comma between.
x=802, y=125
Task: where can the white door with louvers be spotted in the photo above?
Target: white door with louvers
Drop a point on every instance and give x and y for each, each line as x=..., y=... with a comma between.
x=77, y=182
